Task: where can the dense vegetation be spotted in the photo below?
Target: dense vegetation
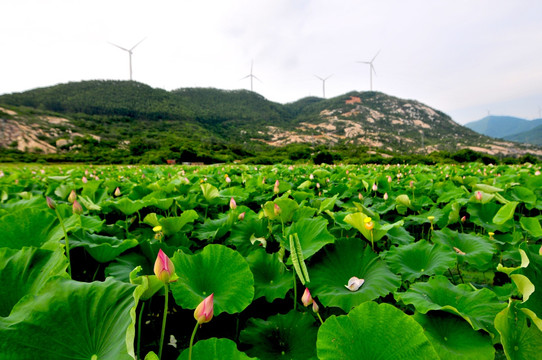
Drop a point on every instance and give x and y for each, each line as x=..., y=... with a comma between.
x=130, y=122
x=299, y=262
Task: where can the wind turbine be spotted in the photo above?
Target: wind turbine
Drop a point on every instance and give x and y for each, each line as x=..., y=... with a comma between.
x=371, y=68
x=130, y=52
x=251, y=76
x=324, y=84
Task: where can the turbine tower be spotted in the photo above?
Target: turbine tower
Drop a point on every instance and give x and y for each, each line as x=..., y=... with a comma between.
x=130, y=52
x=371, y=68
x=251, y=76
x=324, y=84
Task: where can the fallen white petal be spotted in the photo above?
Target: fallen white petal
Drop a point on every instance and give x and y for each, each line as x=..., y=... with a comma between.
x=354, y=283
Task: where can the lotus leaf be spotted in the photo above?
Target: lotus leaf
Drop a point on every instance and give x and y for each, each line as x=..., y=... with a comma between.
x=420, y=258
x=215, y=349
x=477, y=307
x=453, y=338
x=290, y=336
x=343, y=260
x=216, y=270
x=373, y=331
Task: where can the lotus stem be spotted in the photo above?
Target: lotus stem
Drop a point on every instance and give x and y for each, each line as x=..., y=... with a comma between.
x=192, y=341
x=163, y=321
x=295, y=291
x=320, y=318
x=139, y=329
x=66, y=240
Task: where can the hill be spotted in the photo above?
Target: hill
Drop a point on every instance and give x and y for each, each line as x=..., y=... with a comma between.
x=502, y=126
x=119, y=121
x=533, y=136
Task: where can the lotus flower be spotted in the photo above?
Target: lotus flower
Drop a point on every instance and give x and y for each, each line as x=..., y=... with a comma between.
x=117, y=191
x=386, y=196
x=72, y=196
x=204, y=311
x=375, y=187
x=50, y=203
x=306, y=299
x=164, y=268
x=228, y=180
x=241, y=216
x=276, y=188
x=479, y=195
x=354, y=283
x=233, y=204
x=277, y=210
x=77, y=208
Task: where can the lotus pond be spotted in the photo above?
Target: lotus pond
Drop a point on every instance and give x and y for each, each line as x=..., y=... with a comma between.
x=269, y=262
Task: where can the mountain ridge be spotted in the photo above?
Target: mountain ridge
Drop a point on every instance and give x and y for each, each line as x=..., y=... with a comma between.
x=137, y=119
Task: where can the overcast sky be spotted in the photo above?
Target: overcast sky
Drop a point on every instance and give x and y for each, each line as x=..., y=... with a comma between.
x=463, y=57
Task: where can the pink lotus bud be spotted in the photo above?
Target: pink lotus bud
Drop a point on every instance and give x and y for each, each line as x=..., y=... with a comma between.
x=276, y=188
x=277, y=210
x=228, y=180
x=84, y=180
x=72, y=196
x=318, y=185
x=50, y=202
x=311, y=176
x=479, y=195
x=233, y=204
x=241, y=216
x=315, y=307
x=386, y=196
x=537, y=172
x=463, y=219
x=77, y=208
x=375, y=187
x=290, y=167
x=306, y=299
x=389, y=179
x=117, y=192
x=86, y=172
x=204, y=312
x=164, y=268
x=360, y=197
x=411, y=184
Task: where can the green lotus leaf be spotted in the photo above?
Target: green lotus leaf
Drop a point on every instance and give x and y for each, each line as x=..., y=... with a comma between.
x=287, y=209
x=73, y=223
x=150, y=283
x=532, y=226
x=216, y=269
x=523, y=194
x=128, y=206
x=171, y=225
x=271, y=279
x=483, y=214
x=477, y=307
x=24, y=272
x=123, y=265
x=505, y=213
x=243, y=231
x=373, y=331
x=13, y=206
x=210, y=193
x=453, y=338
x=101, y=248
x=524, y=285
x=312, y=233
x=215, y=349
x=520, y=339
x=72, y=320
x=27, y=227
x=420, y=258
x=534, y=273
x=399, y=236
x=524, y=263
x=290, y=336
x=213, y=229
x=478, y=250
x=487, y=188
x=327, y=204
x=239, y=194
x=343, y=260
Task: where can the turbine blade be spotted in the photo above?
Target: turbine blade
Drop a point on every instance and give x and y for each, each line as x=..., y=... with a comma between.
x=319, y=77
x=375, y=56
x=328, y=77
x=364, y=62
x=120, y=47
x=133, y=47
x=373, y=69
